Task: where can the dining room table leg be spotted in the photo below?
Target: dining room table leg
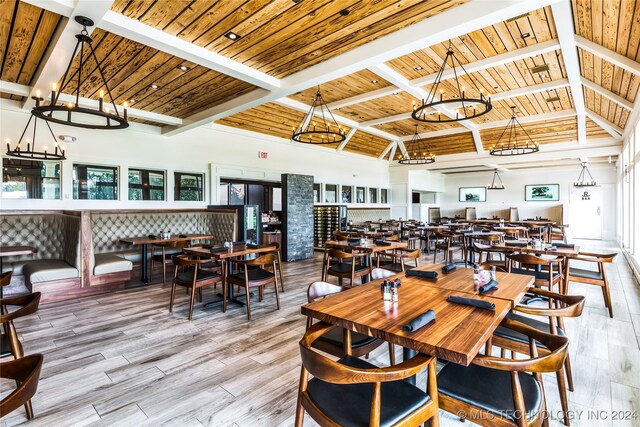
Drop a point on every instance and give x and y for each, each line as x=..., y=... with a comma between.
x=408, y=353
x=145, y=271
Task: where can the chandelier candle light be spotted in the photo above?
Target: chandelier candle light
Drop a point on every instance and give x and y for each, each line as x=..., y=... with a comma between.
x=467, y=104
x=27, y=149
x=319, y=126
x=494, y=185
x=72, y=113
x=513, y=147
x=419, y=154
x=582, y=182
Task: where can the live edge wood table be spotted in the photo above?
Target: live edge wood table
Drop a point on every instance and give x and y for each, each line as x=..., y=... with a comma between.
x=457, y=334
x=144, y=241
x=14, y=251
x=226, y=258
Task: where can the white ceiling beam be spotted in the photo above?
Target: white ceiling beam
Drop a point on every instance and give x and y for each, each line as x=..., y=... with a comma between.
x=612, y=129
x=477, y=140
x=493, y=61
x=563, y=15
x=608, y=55
x=135, y=30
x=402, y=148
x=346, y=140
x=584, y=159
x=364, y=97
x=58, y=54
x=436, y=133
x=451, y=23
x=386, y=150
x=393, y=152
x=607, y=94
x=633, y=118
x=528, y=90
x=398, y=80
x=23, y=90
x=61, y=7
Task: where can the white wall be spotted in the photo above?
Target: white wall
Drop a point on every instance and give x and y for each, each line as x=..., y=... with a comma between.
x=217, y=151
x=499, y=201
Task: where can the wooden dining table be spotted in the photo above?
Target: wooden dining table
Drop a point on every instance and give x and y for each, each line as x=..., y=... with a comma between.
x=226, y=258
x=145, y=241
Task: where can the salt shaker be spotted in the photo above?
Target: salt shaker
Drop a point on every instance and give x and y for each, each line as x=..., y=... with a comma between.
x=386, y=291
x=394, y=292
x=493, y=273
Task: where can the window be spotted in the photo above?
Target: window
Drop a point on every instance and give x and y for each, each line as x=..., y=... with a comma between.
x=223, y=194
x=373, y=195
x=30, y=179
x=330, y=193
x=92, y=182
x=383, y=196
x=146, y=184
x=188, y=186
x=237, y=194
x=316, y=193
x=346, y=194
x=359, y=194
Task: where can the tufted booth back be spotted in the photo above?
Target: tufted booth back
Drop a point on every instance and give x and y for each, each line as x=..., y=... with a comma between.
x=109, y=228
x=56, y=236
x=359, y=216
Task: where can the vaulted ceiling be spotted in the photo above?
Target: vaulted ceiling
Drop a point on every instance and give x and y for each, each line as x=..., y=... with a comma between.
x=571, y=68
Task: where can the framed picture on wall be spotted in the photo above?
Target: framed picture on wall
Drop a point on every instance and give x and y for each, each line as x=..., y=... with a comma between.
x=473, y=194
x=346, y=194
x=542, y=193
x=360, y=194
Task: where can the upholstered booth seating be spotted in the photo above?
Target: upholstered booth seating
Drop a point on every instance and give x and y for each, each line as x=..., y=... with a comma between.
x=57, y=239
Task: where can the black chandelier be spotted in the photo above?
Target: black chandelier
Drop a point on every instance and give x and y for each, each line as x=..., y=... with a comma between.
x=420, y=153
x=582, y=178
x=467, y=107
x=319, y=126
x=71, y=113
x=496, y=185
x=513, y=147
x=27, y=149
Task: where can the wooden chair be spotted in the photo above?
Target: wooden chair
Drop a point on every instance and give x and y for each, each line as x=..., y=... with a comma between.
x=590, y=277
x=189, y=274
x=276, y=251
x=470, y=214
x=339, y=341
x=445, y=242
x=26, y=373
x=351, y=391
x=558, y=232
x=252, y=277
x=347, y=265
x=512, y=234
x=9, y=342
x=398, y=259
x=563, y=306
x=543, y=278
x=497, y=392
x=513, y=215
x=434, y=216
x=174, y=247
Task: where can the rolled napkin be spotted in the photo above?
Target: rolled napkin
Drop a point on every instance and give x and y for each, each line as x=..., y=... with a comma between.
x=422, y=274
x=353, y=240
x=419, y=321
x=207, y=246
x=356, y=243
x=182, y=236
x=448, y=268
x=152, y=236
x=519, y=244
x=252, y=246
x=381, y=242
x=239, y=243
x=478, y=303
x=489, y=286
x=551, y=248
x=214, y=250
x=564, y=245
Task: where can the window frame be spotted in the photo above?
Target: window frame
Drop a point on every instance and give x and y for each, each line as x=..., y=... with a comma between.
x=116, y=183
x=177, y=189
x=145, y=186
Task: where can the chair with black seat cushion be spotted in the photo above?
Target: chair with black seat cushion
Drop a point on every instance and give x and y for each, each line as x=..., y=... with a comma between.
x=254, y=274
x=188, y=273
x=542, y=269
x=345, y=265
x=398, y=259
x=564, y=306
x=9, y=342
x=339, y=341
x=26, y=373
x=446, y=242
x=166, y=251
x=354, y=392
x=591, y=277
x=495, y=391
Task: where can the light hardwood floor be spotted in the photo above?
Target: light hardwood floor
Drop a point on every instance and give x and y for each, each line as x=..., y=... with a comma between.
x=123, y=360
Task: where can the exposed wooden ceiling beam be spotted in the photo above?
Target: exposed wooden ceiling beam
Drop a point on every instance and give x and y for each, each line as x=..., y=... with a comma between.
x=23, y=90
x=61, y=7
x=612, y=129
x=58, y=54
x=367, y=96
x=346, y=140
x=386, y=150
x=393, y=152
x=563, y=17
x=608, y=55
x=607, y=94
x=451, y=23
x=436, y=133
x=387, y=119
x=633, y=118
x=402, y=148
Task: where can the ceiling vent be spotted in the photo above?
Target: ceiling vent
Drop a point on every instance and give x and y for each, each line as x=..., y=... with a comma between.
x=539, y=69
x=552, y=99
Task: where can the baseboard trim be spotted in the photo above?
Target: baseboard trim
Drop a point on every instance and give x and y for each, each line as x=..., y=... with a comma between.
x=633, y=264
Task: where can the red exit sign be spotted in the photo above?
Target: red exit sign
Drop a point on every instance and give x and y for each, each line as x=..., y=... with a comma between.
x=263, y=155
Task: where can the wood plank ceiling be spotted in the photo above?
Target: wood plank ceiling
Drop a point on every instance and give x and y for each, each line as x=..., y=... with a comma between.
x=269, y=42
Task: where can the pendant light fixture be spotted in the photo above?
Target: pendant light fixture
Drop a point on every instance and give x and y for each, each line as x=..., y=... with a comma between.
x=468, y=103
x=496, y=185
x=418, y=152
x=72, y=113
x=511, y=146
x=26, y=148
x=582, y=178
x=319, y=126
